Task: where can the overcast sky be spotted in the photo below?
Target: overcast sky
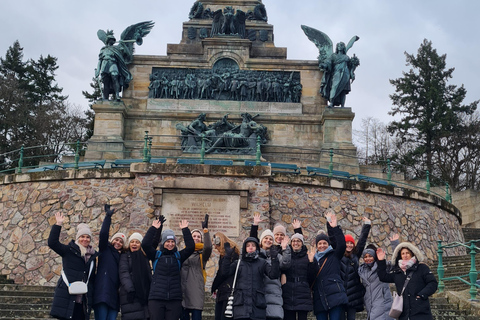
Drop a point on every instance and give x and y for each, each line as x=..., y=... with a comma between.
x=67, y=30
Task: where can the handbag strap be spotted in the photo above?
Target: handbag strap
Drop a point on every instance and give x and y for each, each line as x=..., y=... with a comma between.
x=406, y=282
x=89, y=273
x=311, y=287
x=236, y=272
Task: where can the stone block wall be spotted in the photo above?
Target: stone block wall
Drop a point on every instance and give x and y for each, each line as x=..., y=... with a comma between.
x=29, y=202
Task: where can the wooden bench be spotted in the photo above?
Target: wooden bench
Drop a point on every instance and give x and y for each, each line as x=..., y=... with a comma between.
x=314, y=171
x=125, y=163
x=85, y=164
x=276, y=167
x=206, y=161
x=44, y=168
x=361, y=177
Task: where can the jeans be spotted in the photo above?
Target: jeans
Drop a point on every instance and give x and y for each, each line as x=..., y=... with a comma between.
x=196, y=314
x=292, y=315
x=332, y=314
x=104, y=312
x=350, y=314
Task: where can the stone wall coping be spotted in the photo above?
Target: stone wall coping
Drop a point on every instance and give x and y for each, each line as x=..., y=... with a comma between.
x=372, y=188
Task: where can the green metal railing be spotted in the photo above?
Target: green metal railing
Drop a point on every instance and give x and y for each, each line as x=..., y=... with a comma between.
x=472, y=275
x=334, y=160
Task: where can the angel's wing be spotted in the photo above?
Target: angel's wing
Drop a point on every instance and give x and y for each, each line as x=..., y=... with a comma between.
x=217, y=23
x=102, y=35
x=240, y=18
x=351, y=42
x=321, y=40
x=137, y=31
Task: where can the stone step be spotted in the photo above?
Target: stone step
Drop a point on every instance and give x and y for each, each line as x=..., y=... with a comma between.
x=17, y=288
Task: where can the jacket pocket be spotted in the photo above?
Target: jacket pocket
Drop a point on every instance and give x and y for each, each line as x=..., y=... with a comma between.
x=260, y=301
x=333, y=286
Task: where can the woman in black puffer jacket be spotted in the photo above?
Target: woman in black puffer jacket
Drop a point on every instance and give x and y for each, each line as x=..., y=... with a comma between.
x=349, y=270
x=222, y=284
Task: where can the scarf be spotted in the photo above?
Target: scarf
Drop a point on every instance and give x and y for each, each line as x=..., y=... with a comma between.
x=140, y=272
x=319, y=255
x=404, y=265
x=199, y=247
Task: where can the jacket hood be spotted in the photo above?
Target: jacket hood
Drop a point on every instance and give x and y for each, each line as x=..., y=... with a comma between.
x=416, y=252
x=244, y=246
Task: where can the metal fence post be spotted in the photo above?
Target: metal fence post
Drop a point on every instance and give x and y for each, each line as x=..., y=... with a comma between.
x=258, y=154
x=389, y=172
x=202, y=150
x=145, y=148
x=428, y=182
x=77, y=155
x=473, y=273
x=150, y=148
x=448, y=195
x=20, y=160
x=330, y=165
x=440, y=268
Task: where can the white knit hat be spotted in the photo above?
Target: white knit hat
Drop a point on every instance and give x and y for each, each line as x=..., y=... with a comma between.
x=265, y=233
x=83, y=229
x=119, y=235
x=135, y=236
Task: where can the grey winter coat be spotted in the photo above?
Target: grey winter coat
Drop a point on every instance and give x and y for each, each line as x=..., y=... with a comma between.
x=378, y=298
x=193, y=284
x=273, y=287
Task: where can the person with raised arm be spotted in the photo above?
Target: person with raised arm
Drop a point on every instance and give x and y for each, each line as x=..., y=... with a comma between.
x=165, y=297
x=194, y=275
x=329, y=296
x=407, y=263
x=297, y=298
x=78, y=264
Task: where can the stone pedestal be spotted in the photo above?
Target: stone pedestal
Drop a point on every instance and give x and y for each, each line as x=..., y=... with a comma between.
x=337, y=135
x=107, y=141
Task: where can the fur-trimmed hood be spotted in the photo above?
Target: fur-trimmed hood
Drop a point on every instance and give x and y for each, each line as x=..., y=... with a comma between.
x=416, y=252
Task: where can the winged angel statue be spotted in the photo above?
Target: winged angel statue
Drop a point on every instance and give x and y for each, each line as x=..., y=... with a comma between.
x=113, y=60
x=228, y=22
x=338, y=68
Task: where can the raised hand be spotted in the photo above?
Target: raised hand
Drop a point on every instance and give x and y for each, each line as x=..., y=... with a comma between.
x=366, y=220
x=285, y=242
x=162, y=219
x=183, y=224
x=380, y=254
x=156, y=224
x=394, y=237
x=296, y=224
x=59, y=217
x=205, y=222
x=109, y=211
x=332, y=219
x=256, y=219
x=228, y=250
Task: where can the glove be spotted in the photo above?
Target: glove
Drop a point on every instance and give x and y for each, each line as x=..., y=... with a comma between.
x=228, y=250
x=205, y=222
x=273, y=252
x=130, y=296
x=109, y=211
x=162, y=219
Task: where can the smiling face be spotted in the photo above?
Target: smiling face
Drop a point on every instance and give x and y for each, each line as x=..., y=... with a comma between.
x=279, y=237
x=406, y=254
x=350, y=246
x=368, y=258
x=250, y=247
x=84, y=240
x=169, y=244
x=117, y=243
x=297, y=244
x=267, y=242
x=135, y=245
x=322, y=245
x=197, y=237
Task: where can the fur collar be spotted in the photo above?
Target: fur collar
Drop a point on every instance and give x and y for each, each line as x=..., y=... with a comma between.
x=416, y=252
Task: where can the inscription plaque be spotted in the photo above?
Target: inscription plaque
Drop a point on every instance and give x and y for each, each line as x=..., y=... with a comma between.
x=224, y=211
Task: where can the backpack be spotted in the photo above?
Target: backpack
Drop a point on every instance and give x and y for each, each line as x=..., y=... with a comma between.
x=159, y=254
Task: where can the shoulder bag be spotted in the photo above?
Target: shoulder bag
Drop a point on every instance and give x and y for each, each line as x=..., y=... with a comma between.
x=229, y=308
x=77, y=287
x=397, y=304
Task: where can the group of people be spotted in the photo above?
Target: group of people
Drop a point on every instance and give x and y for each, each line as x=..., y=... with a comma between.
x=273, y=276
